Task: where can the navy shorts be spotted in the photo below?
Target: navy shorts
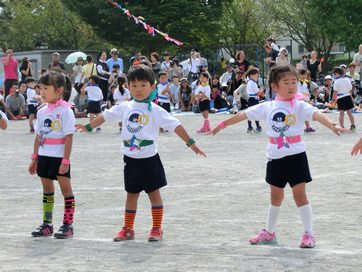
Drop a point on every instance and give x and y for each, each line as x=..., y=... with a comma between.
x=165, y=106
x=204, y=105
x=252, y=101
x=143, y=174
x=32, y=109
x=292, y=169
x=345, y=103
x=94, y=107
x=48, y=168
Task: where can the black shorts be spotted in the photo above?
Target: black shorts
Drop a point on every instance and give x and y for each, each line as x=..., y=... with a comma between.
x=293, y=169
x=143, y=174
x=48, y=167
x=165, y=106
x=252, y=101
x=345, y=103
x=204, y=105
x=94, y=107
x=32, y=109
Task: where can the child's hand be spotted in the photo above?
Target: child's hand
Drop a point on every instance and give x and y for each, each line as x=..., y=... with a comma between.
x=338, y=130
x=32, y=167
x=214, y=131
x=197, y=150
x=357, y=148
x=63, y=168
x=80, y=127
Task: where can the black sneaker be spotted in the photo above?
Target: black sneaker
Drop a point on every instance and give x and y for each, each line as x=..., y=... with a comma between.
x=65, y=232
x=353, y=128
x=43, y=230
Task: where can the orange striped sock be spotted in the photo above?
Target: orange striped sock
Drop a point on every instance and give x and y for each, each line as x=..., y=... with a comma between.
x=157, y=215
x=129, y=217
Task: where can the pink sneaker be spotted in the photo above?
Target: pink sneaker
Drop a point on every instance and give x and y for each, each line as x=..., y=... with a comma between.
x=307, y=241
x=203, y=130
x=155, y=235
x=124, y=235
x=264, y=238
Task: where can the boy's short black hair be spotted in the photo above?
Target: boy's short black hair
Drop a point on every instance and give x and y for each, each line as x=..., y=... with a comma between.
x=338, y=71
x=95, y=79
x=29, y=80
x=252, y=71
x=160, y=74
x=142, y=73
x=302, y=72
x=15, y=83
x=116, y=66
x=175, y=76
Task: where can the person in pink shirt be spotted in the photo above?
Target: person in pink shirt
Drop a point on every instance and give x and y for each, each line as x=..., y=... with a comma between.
x=10, y=70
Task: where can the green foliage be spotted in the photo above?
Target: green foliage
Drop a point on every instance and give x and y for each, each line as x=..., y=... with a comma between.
x=29, y=23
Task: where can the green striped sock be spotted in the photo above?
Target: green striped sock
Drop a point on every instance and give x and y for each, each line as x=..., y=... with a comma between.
x=48, y=206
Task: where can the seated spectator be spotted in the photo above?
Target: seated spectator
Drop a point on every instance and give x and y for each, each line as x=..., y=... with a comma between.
x=80, y=102
x=15, y=103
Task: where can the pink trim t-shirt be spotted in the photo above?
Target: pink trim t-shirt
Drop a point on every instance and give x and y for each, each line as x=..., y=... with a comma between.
x=10, y=70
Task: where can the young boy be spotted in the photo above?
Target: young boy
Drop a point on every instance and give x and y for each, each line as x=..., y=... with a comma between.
x=164, y=92
x=143, y=170
x=95, y=96
x=32, y=100
x=342, y=93
x=175, y=91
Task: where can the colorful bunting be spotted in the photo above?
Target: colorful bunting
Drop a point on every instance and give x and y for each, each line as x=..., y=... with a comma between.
x=140, y=20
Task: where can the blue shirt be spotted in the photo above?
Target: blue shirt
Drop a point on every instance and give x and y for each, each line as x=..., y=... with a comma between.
x=111, y=62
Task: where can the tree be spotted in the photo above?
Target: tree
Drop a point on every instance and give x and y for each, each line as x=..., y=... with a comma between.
x=243, y=22
x=30, y=23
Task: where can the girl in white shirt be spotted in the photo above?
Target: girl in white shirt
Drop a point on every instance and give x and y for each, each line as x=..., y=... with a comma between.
x=202, y=98
x=54, y=128
x=287, y=160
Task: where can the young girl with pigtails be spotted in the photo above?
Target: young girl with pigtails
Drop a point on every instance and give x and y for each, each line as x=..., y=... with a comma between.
x=54, y=128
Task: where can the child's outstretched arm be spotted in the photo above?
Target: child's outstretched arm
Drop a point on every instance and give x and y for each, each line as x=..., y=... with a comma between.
x=325, y=121
x=241, y=116
x=357, y=148
x=181, y=132
x=99, y=120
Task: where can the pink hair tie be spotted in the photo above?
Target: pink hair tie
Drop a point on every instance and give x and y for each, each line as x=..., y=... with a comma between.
x=66, y=162
x=222, y=125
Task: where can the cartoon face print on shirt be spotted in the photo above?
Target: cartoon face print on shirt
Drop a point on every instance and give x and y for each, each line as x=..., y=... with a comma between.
x=49, y=125
x=281, y=120
x=136, y=121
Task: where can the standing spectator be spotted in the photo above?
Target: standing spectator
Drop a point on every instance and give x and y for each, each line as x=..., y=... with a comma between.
x=203, y=62
x=282, y=58
x=115, y=60
x=89, y=69
x=314, y=65
x=10, y=70
x=155, y=62
x=241, y=62
x=26, y=68
x=77, y=70
x=15, y=103
x=272, y=55
x=56, y=62
x=103, y=74
x=166, y=64
x=175, y=91
x=195, y=64
x=271, y=42
x=357, y=60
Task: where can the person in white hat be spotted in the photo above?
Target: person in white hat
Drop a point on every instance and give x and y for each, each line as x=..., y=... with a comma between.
x=115, y=60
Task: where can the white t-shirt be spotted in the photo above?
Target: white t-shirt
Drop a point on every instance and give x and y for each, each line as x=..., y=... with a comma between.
x=73, y=94
x=195, y=64
x=140, y=124
x=55, y=124
x=303, y=89
x=225, y=77
x=31, y=97
x=94, y=93
x=203, y=89
x=283, y=120
x=252, y=88
x=358, y=58
x=163, y=98
x=120, y=98
x=342, y=86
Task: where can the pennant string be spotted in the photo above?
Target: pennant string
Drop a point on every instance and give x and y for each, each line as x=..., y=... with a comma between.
x=151, y=30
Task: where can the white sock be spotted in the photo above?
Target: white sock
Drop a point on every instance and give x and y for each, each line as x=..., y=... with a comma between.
x=272, y=218
x=306, y=215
